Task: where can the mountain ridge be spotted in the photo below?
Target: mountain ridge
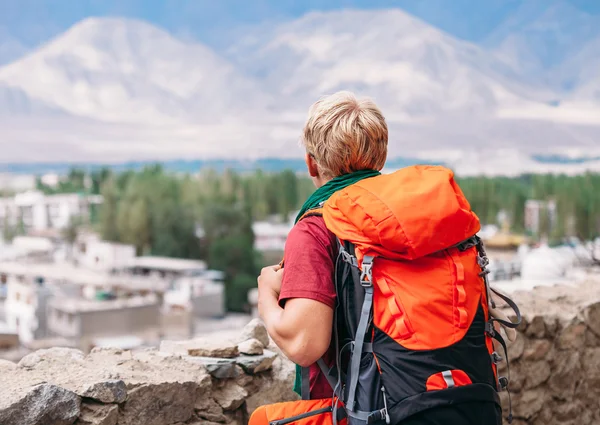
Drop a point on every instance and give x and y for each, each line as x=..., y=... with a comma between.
x=114, y=88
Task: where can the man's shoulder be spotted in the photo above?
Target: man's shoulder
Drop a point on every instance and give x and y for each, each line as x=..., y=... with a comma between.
x=311, y=227
x=311, y=232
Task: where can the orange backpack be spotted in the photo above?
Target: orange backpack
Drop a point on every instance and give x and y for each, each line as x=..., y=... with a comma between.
x=412, y=327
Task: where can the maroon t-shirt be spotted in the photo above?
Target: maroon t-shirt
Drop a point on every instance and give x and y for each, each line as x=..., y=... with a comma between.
x=308, y=272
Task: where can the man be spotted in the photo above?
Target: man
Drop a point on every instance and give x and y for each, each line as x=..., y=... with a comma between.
x=346, y=141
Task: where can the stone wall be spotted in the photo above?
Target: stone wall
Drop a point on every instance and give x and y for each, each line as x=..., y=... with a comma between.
x=555, y=374
x=555, y=361
x=176, y=384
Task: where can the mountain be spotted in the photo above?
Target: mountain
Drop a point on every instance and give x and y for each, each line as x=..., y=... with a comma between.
x=411, y=68
x=15, y=102
x=552, y=41
x=115, y=89
x=127, y=71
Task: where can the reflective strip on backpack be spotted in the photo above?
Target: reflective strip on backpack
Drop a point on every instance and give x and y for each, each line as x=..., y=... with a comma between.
x=447, y=375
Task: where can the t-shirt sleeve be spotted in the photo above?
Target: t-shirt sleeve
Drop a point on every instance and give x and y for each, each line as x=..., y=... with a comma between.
x=308, y=270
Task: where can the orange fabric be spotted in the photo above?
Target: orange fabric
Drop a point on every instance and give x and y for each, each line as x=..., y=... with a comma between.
x=272, y=412
x=421, y=304
x=460, y=378
x=425, y=294
x=405, y=215
x=437, y=382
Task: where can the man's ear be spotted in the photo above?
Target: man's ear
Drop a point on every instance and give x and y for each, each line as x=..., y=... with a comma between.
x=311, y=164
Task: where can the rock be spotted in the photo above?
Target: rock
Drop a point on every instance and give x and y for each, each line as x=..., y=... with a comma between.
x=52, y=355
x=591, y=315
x=207, y=408
x=43, y=404
x=591, y=364
x=274, y=386
x=251, y=347
x=6, y=365
x=255, y=329
x=591, y=340
x=536, y=328
x=566, y=411
x=523, y=325
x=159, y=404
x=551, y=327
x=572, y=337
x=230, y=397
x=245, y=380
x=201, y=347
x=30, y=360
x=218, y=368
x=537, y=349
x=515, y=349
x=537, y=373
x=221, y=349
x=257, y=364
x=98, y=414
x=198, y=421
x=517, y=377
x=112, y=391
x=566, y=367
x=529, y=403
x=545, y=416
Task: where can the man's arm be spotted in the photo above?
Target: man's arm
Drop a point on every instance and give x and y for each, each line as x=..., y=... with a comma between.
x=302, y=330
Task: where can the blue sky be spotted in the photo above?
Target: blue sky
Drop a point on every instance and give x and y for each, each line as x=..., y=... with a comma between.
x=215, y=21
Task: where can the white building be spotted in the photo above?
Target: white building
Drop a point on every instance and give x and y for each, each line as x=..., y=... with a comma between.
x=16, y=182
x=534, y=214
x=25, y=306
x=90, y=323
x=270, y=236
x=50, y=180
x=37, y=211
x=91, y=252
x=191, y=285
x=28, y=249
x=31, y=286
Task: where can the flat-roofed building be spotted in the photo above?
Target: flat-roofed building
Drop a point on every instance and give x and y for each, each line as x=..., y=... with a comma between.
x=89, y=323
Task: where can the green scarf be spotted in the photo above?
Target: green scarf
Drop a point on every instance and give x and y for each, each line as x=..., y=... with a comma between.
x=315, y=200
x=323, y=193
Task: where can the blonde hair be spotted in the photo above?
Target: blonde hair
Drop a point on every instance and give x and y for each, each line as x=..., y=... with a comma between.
x=344, y=134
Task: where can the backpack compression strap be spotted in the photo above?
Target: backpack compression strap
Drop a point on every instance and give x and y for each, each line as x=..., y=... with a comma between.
x=366, y=281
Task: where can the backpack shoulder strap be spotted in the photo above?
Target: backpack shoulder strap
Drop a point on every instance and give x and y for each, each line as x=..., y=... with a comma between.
x=315, y=212
x=366, y=281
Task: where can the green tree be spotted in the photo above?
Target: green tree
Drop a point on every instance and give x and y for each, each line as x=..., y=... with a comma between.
x=109, y=211
x=133, y=224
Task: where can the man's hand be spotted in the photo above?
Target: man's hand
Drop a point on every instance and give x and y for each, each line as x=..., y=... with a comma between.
x=269, y=280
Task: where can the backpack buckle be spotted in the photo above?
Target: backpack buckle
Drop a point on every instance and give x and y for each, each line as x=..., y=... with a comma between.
x=366, y=275
x=489, y=328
